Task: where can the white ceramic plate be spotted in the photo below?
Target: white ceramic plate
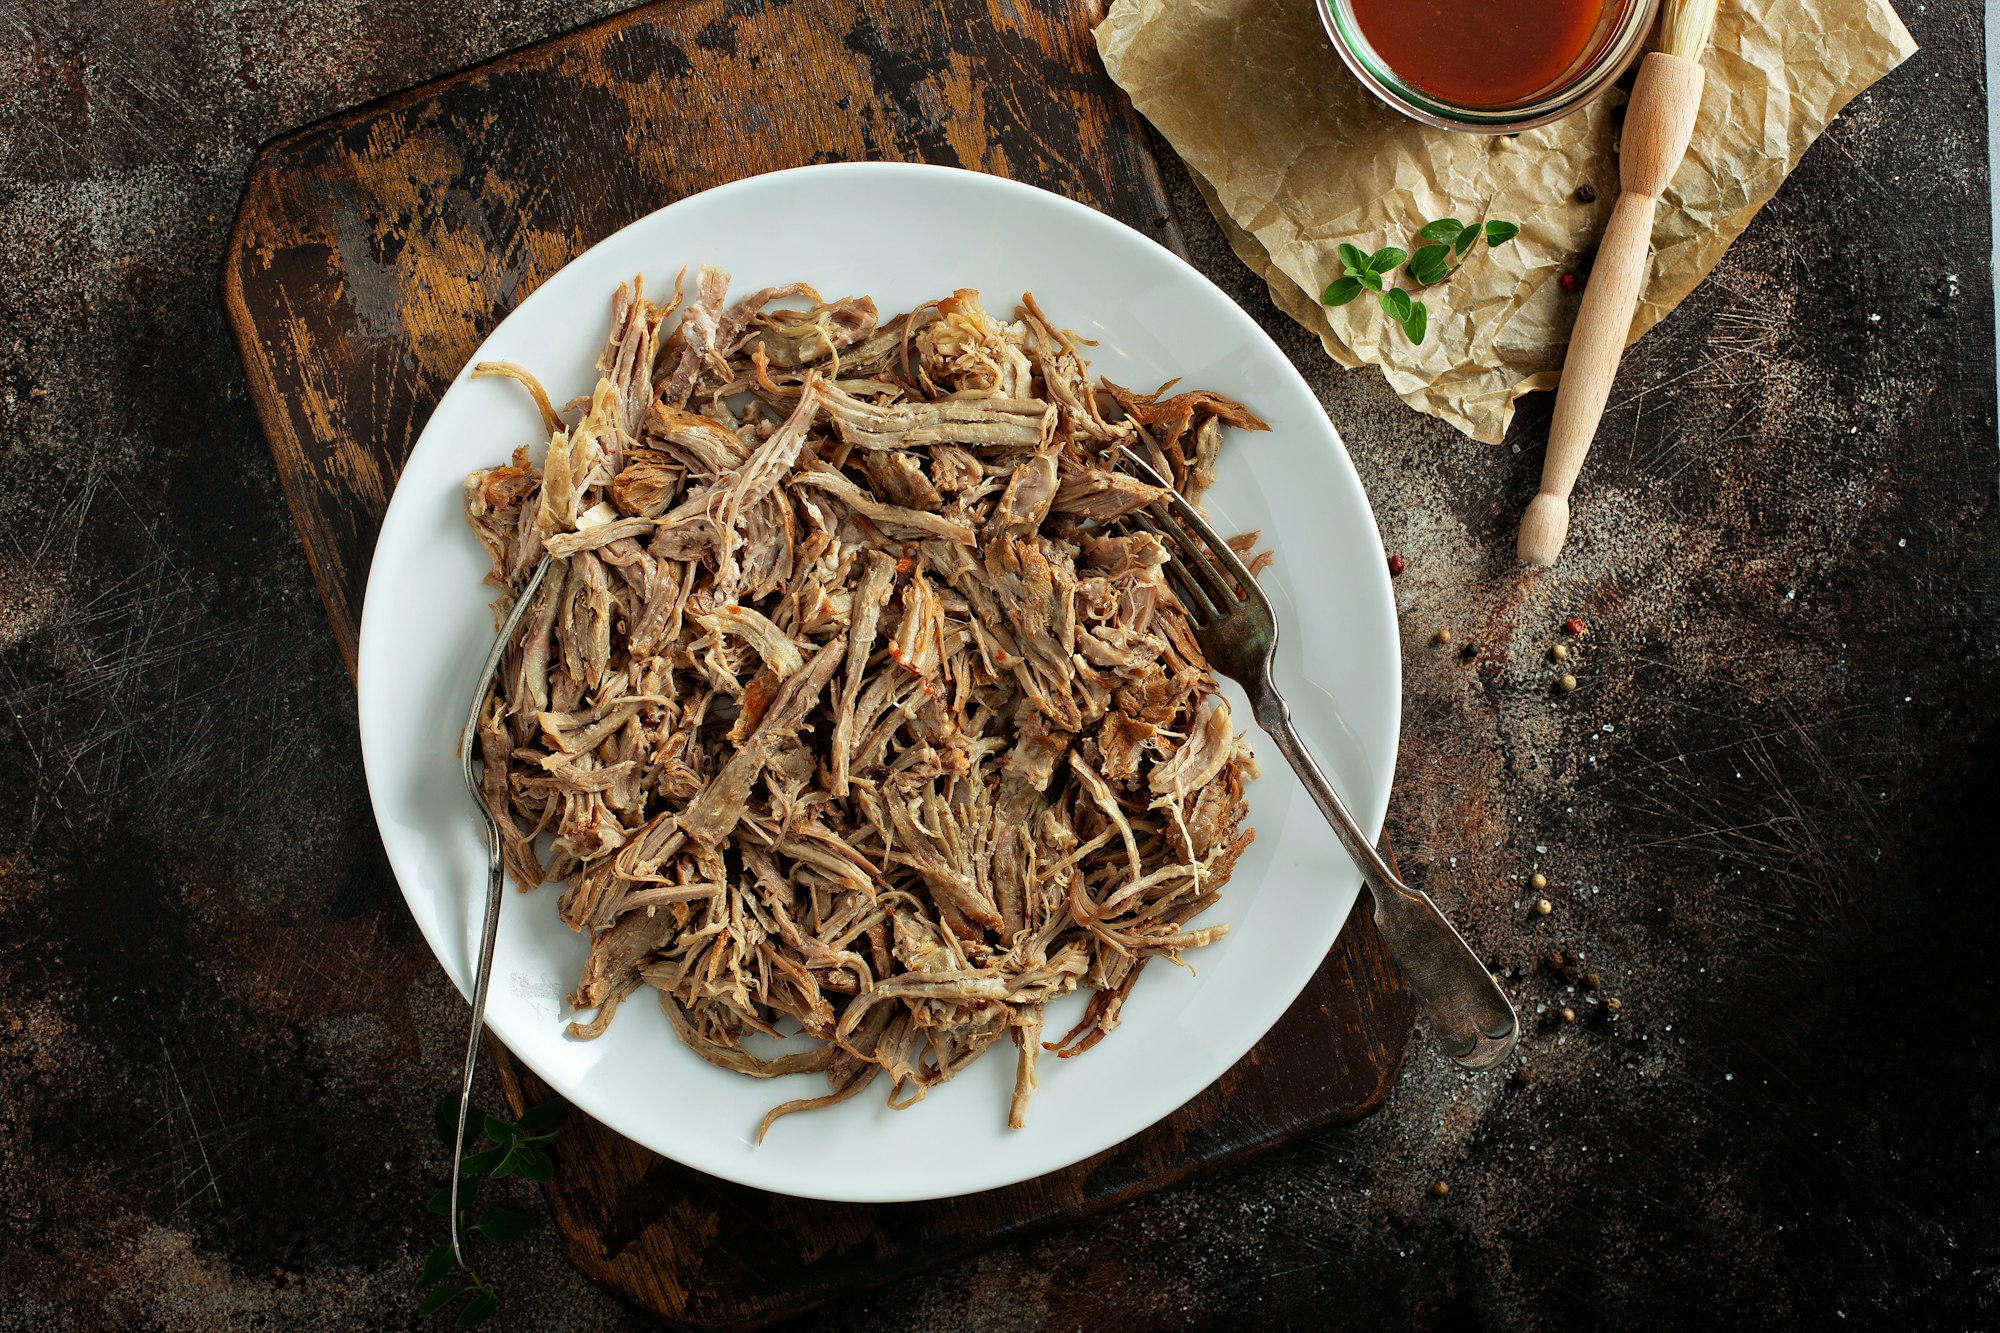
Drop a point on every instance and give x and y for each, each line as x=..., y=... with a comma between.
x=902, y=234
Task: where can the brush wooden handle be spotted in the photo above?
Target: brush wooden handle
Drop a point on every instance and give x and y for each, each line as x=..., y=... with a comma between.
x=1659, y=120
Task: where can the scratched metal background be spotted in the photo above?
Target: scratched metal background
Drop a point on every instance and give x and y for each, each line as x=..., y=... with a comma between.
x=1764, y=812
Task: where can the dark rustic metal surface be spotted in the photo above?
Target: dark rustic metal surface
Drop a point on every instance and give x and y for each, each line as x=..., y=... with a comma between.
x=216, y=1021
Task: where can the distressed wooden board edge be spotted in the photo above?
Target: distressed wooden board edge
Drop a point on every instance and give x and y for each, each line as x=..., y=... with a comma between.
x=1144, y=140
x=513, y=58
x=260, y=377
x=260, y=374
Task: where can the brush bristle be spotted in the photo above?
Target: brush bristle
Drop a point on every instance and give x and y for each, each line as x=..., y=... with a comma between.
x=1685, y=26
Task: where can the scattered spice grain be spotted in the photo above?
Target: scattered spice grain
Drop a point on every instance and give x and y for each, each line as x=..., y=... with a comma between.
x=1566, y=683
x=1538, y=880
x=1543, y=907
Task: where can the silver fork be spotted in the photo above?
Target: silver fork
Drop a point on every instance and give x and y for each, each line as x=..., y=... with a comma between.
x=1236, y=627
x=489, y=926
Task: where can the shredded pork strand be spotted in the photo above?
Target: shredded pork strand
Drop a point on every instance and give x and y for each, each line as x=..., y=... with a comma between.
x=850, y=705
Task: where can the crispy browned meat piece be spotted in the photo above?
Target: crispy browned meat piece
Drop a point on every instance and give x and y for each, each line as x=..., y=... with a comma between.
x=848, y=703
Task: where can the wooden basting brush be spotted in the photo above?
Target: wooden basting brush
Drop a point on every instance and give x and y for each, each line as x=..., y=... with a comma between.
x=1659, y=121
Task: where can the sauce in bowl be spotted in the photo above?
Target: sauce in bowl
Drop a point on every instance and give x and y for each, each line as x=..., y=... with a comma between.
x=1479, y=53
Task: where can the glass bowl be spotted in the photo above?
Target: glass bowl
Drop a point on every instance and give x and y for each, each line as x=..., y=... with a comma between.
x=1618, y=40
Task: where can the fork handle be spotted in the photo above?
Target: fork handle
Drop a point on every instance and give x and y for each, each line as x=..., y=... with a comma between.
x=489, y=933
x=496, y=878
x=1471, y=1015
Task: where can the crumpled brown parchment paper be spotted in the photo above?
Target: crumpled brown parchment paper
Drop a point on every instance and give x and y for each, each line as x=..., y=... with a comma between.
x=1296, y=156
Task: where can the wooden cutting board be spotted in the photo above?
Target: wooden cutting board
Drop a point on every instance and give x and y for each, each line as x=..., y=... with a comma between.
x=374, y=251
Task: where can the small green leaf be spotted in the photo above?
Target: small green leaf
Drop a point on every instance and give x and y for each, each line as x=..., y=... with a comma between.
x=539, y=1139
x=1371, y=279
x=503, y=1224
x=1465, y=240
x=1387, y=259
x=510, y=1163
x=1397, y=302
x=440, y=1298
x=479, y=1309
x=479, y=1163
x=445, y=1119
x=1352, y=257
x=1416, y=322
x=1341, y=292
x=1499, y=233
x=440, y=1202
x=1444, y=229
x=497, y=1130
x=536, y=1165
x=1431, y=264
x=436, y=1264
x=538, y=1118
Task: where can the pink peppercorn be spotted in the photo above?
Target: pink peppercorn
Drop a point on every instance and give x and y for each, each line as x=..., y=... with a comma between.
x=1574, y=624
x=1395, y=565
x=1569, y=281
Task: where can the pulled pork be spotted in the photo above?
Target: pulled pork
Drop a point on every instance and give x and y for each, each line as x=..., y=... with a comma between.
x=848, y=707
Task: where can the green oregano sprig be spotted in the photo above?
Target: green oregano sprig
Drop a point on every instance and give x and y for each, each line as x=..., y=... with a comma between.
x=1450, y=242
x=518, y=1149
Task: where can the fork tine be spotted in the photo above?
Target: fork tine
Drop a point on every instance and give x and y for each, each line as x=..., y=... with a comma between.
x=1194, y=559
x=1200, y=605
x=1196, y=532
x=1191, y=594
